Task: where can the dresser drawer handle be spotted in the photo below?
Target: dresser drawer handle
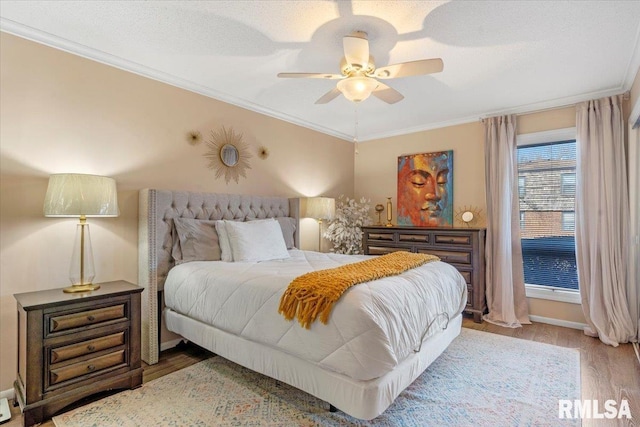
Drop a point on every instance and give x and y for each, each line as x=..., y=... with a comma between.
x=91, y=318
x=91, y=368
x=91, y=347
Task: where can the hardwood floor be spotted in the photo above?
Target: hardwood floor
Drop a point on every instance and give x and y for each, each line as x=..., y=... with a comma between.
x=606, y=372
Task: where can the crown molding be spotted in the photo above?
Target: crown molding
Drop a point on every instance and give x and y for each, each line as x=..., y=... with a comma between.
x=83, y=51
x=78, y=49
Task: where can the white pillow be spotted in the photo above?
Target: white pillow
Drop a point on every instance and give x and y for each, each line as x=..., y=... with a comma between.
x=256, y=240
x=223, y=241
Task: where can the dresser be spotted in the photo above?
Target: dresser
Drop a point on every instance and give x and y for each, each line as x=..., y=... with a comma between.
x=73, y=345
x=461, y=247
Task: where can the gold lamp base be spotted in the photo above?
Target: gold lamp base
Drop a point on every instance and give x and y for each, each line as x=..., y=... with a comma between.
x=84, y=287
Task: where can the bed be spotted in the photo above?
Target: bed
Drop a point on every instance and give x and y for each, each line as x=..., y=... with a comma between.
x=358, y=362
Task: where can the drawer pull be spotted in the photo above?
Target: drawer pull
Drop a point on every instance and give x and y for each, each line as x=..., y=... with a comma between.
x=91, y=347
x=91, y=318
x=91, y=368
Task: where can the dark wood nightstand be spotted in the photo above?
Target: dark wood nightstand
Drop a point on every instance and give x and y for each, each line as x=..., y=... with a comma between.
x=71, y=346
x=461, y=247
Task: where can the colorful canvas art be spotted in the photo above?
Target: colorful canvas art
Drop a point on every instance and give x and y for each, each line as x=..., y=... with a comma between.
x=425, y=189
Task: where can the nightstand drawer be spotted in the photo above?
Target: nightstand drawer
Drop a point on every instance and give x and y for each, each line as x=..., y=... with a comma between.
x=86, y=347
x=86, y=367
x=422, y=238
x=449, y=239
x=449, y=256
x=85, y=318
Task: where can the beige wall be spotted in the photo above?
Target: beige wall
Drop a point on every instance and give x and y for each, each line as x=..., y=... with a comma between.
x=376, y=176
x=63, y=113
x=635, y=90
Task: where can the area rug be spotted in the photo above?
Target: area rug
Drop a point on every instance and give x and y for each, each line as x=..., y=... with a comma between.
x=482, y=379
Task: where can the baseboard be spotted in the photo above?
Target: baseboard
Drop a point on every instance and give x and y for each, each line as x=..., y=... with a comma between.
x=558, y=322
x=9, y=394
x=170, y=344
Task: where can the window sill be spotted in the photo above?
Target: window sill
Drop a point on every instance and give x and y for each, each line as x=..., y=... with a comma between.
x=553, y=294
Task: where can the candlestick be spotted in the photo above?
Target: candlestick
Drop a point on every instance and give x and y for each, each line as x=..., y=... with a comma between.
x=389, y=212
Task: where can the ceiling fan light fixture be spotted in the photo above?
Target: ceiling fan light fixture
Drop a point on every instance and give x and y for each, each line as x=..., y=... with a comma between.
x=357, y=89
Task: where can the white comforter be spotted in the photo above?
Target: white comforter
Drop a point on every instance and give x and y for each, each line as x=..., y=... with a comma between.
x=373, y=327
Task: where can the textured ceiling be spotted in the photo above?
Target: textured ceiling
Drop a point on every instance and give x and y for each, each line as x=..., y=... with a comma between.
x=499, y=56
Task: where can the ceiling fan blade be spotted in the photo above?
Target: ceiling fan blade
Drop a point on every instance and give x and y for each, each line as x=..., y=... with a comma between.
x=356, y=49
x=387, y=94
x=310, y=76
x=329, y=96
x=413, y=68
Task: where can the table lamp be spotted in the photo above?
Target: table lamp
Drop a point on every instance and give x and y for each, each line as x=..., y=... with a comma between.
x=82, y=196
x=319, y=208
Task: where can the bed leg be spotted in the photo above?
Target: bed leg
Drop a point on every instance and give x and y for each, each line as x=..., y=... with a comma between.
x=332, y=408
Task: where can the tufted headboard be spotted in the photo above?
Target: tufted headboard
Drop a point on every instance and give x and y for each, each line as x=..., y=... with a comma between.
x=157, y=208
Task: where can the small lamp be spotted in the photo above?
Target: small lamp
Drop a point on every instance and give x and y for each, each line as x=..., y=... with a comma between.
x=319, y=208
x=78, y=195
x=357, y=88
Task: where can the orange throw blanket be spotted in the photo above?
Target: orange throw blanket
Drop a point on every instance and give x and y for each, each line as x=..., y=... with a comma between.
x=313, y=294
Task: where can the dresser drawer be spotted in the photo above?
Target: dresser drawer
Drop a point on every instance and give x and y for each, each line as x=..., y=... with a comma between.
x=421, y=238
x=97, y=364
x=388, y=237
x=67, y=352
x=449, y=256
x=85, y=318
x=381, y=250
x=467, y=276
x=452, y=239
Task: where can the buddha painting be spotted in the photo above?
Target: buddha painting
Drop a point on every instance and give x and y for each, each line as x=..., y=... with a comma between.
x=425, y=189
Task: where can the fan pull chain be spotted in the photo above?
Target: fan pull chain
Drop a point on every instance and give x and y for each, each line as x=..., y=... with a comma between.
x=355, y=133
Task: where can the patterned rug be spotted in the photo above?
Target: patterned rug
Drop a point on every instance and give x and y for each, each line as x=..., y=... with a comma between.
x=482, y=379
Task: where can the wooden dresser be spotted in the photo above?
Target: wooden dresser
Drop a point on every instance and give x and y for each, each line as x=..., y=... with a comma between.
x=461, y=247
x=71, y=346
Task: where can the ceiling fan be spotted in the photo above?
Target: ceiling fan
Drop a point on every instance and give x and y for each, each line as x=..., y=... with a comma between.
x=358, y=78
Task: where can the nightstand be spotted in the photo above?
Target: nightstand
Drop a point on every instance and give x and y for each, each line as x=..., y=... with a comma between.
x=71, y=346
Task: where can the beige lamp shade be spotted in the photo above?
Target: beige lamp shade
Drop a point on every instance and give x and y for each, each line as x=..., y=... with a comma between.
x=78, y=195
x=75, y=195
x=320, y=208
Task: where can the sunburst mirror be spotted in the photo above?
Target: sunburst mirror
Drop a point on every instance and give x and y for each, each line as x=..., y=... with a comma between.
x=228, y=154
x=469, y=216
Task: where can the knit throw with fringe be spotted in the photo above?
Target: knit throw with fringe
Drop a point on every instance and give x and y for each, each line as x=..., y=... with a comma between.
x=313, y=294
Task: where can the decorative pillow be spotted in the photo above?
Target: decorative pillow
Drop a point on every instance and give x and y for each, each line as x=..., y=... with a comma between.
x=256, y=240
x=198, y=240
x=223, y=238
x=288, y=226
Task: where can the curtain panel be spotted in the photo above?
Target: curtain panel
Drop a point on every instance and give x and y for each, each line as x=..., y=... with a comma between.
x=602, y=220
x=506, y=297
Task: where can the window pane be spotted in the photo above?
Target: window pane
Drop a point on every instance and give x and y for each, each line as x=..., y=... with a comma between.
x=569, y=221
x=521, y=185
x=568, y=183
x=547, y=200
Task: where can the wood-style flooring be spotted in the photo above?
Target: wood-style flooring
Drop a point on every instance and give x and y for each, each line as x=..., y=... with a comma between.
x=607, y=372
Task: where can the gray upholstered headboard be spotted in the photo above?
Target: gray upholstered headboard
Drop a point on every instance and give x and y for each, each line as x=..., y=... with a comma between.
x=156, y=210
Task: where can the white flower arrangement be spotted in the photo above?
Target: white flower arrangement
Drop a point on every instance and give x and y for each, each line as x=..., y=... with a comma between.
x=344, y=231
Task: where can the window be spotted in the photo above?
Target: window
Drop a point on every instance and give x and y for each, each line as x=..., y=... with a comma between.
x=569, y=221
x=568, y=184
x=522, y=181
x=548, y=240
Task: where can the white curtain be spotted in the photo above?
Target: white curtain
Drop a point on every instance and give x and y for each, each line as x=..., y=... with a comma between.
x=506, y=297
x=602, y=220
